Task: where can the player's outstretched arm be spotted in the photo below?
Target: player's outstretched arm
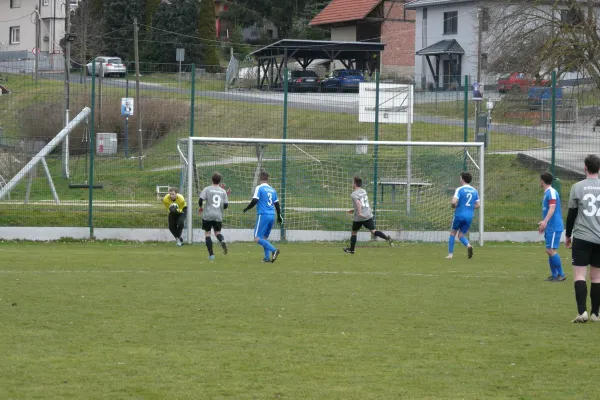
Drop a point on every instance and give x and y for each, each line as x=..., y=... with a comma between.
x=250, y=206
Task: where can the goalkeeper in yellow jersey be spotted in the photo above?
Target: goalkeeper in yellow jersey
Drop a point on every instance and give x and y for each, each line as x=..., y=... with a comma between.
x=177, y=207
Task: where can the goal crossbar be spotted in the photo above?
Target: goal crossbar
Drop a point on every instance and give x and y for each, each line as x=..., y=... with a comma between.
x=480, y=145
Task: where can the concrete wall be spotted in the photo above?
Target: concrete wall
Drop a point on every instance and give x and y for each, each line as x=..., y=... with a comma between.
x=343, y=34
x=245, y=235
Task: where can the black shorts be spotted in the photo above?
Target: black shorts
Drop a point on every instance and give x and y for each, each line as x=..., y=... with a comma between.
x=208, y=225
x=369, y=224
x=585, y=253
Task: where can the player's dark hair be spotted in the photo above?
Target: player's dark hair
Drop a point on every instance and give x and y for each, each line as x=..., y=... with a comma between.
x=216, y=178
x=264, y=176
x=592, y=163
x=466, y=176
x=172, y=189
x=547, y=178
x=358, y=181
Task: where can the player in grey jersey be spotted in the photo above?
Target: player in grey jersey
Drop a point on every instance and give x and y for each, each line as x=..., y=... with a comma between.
x=363, y=216
x=583, y=224
x=216, y=200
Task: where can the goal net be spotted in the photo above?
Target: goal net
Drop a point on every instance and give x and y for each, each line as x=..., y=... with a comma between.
x=409, y=185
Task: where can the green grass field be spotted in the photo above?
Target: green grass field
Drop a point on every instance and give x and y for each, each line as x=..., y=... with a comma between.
x=118, y=320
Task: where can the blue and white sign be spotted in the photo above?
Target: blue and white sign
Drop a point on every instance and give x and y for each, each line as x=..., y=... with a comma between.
x=127, y=106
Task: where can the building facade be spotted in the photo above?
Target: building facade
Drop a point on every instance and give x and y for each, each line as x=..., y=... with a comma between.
x=446, y=39
x=18, y=27
x=385, y=21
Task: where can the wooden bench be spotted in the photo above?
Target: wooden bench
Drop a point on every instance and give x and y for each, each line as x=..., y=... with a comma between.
x=401, y=182
x=162, y=191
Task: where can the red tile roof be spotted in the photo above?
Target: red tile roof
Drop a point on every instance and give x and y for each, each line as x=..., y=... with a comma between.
x=344, y=10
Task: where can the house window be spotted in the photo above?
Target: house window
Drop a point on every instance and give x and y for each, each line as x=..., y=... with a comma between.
x=15, y=34
x=270, y=33
x=15, y=3
x=425, y=13
x=484, y=61
x=570, y=17
x=450, y=22
x=485, y=19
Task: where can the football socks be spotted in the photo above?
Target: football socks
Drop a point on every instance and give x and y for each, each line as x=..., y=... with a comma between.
x=209, y=246
x=595, y=297
x=580, y=296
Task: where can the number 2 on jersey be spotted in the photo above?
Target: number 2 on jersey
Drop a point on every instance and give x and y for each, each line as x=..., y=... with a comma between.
x=469, y=198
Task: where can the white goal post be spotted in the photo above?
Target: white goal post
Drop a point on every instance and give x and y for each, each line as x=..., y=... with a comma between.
x=313, y=179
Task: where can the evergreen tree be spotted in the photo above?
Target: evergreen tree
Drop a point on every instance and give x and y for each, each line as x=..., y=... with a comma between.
x=207, y=32
x=177, y=27
x=117, y=19
x=240, y=49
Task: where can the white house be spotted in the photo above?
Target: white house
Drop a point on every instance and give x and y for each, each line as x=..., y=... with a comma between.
x=18, y=27
x=446, y=41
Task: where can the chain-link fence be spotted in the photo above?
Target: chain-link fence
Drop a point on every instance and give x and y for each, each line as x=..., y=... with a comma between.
x=134, y=155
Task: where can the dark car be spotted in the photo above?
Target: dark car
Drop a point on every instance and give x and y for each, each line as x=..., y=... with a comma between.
x=343, y=79
x=304, y=81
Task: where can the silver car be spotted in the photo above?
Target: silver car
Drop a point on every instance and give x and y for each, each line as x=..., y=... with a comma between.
x=110, y=66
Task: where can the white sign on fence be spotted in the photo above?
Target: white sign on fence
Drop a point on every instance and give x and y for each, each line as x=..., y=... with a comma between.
x=127, y=106
x=395, y=103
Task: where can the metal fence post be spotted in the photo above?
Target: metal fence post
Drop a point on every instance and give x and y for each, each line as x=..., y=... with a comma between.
x=466, y=119
x=92, y=128
x=376, y=148
x=284, y=149
x=553, y=122
x=193, y=100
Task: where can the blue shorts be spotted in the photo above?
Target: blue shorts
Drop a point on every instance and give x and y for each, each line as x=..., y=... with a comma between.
x=461, y=225
x=263, y=226
x=552, y=239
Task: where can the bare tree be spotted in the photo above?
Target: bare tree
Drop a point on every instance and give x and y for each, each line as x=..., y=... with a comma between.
x=87, y=25
x=541, y=36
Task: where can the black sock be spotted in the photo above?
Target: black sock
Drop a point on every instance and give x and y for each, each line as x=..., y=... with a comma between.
x=580, y=296
x=220, y=237
x=352, y=242
x=209, y=246
x=595, y=297
x=380, y=234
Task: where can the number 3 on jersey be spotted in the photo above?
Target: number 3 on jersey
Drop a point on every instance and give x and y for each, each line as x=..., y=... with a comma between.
x=593, y=210
x=270, y=196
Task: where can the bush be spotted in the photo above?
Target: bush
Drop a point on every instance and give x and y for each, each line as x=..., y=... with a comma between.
x=159, y=118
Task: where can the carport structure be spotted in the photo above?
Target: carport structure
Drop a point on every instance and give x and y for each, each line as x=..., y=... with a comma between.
x=273, y=58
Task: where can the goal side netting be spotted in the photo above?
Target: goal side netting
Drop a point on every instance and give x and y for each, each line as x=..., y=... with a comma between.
x=409, y=185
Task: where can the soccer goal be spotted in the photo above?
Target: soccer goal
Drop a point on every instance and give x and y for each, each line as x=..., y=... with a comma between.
x=409, y=184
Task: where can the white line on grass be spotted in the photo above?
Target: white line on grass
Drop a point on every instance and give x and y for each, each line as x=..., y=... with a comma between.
x=375, y=273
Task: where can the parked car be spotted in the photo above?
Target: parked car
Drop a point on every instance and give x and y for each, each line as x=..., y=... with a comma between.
x=343, y=79
x=304, y=81
x=518, y=82
x=110, y=66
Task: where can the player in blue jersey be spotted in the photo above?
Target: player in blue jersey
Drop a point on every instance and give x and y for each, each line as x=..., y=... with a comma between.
x=268, y=203
x=464, y=201
x=551, y=226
